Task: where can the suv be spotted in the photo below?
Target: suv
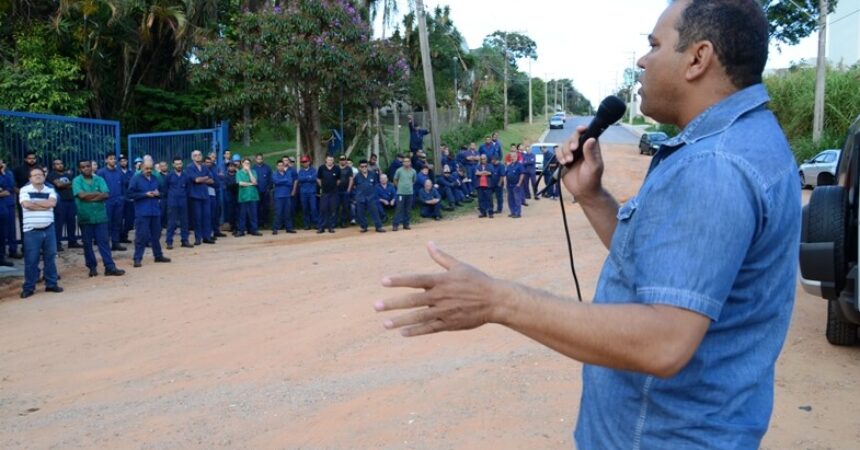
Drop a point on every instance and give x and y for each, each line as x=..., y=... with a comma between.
x=650, y=142
x=829, y=244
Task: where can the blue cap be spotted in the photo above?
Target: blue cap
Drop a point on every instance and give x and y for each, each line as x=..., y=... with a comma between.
x=236, y=157
x=138, y=160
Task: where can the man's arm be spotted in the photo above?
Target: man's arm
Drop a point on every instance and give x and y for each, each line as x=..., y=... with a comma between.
x=463, y=298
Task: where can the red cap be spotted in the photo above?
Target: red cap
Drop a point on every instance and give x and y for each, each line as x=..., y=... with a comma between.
x=305, y=159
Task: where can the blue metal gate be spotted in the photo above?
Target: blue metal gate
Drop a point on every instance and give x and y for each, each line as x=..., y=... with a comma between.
x=165, y=146
x=70, y=139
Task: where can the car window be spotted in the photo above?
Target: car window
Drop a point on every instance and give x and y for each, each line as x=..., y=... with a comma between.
x=830, y=157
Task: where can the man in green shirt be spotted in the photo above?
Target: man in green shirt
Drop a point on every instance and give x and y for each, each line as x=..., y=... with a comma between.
x=404, y=180
x=90, y=193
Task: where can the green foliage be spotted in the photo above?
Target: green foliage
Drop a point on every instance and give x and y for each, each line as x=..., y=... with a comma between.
x=514, y=45
x=792, y=20
x=465, y=134
x=41, y=80
x=160, y=110
x=792, y=99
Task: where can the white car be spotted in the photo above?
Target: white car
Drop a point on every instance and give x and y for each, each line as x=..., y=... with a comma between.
x=537, y=150
x=820, y=170
x=556, y=122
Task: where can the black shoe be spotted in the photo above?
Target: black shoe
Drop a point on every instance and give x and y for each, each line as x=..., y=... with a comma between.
x=60, y=248
x=491, y=216
x=118, y=248
x=394, y=228
x=515, y=216
x=499, y=211
x=94, y=272
x=220, y=234
x=525, y=204
x=162, y=259
x=537, y=198
x=448, y=208
x=481, y=216
x=17, y=255
x=239, y=234
x=114, y=272
x=380, y=230
x=75, y=245
x=307, y=228
x=363, y=230
x=291, y=231
x=331, y=230
x=407, y=227
x=255, y=233
x=170, y=246
x=440, y=218
x=25, y=294
x=124, y=241
x=186, y=245
x=208, y=241
x=275, y=233
x=55, y=289
x=137, y=264
x=320, y=231
x=196, y=243
x=6, y=264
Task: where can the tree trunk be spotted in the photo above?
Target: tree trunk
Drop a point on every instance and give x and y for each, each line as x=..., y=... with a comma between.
x=310, y=128
x=473, y=109
x=377, y=132
x=396, y=111
x=246, y=126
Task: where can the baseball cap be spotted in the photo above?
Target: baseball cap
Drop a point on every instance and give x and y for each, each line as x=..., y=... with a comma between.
x=305, y=159
x=342, y=157
x=122, y=156
x=138, y=160
x=236, y=157
x=291, y=159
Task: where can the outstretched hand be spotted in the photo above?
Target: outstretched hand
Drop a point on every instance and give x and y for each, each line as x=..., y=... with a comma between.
x=460, y=298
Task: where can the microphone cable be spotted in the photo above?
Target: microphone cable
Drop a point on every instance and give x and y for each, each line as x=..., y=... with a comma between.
x=566, y=227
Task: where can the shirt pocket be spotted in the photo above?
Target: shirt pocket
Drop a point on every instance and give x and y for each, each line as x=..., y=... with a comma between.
x=621, y=240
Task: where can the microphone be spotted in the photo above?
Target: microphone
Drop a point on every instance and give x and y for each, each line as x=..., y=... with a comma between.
x=611, y=110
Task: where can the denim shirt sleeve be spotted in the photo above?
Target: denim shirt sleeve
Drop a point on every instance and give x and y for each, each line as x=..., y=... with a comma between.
x=692, y=230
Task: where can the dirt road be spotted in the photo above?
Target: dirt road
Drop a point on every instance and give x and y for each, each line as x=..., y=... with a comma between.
x=272, y=342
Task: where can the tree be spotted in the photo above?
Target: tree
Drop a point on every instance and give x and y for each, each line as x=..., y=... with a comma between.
x=288, y=60
x=513, y=46
x=792, y=20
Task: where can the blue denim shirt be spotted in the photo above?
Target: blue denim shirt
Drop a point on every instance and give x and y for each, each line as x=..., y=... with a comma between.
x=714, y=230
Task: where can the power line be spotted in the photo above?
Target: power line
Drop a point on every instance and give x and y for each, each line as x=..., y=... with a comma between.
x=845, y=16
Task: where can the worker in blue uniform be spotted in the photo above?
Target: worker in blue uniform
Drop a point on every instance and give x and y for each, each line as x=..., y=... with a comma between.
x=198, y=196
x=344, y=194
x=328, y=179
x=431, y=201
x=143, y=191
x=386, y=195
x=128, y=206
x=514, y=178
x=530, y=167
x=308, y=192
x=366, y=199
x=264, y=187
x=115, y=203
x=416, y=135
x=498, y=183
x=449, y=189
x=483, y=180
x=178, y=187
x=285, y=183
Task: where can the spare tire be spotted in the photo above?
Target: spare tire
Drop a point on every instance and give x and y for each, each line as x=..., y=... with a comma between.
x=826, y=222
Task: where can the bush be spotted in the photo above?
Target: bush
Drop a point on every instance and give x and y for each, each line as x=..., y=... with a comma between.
x=465, y=134
x=792, y=98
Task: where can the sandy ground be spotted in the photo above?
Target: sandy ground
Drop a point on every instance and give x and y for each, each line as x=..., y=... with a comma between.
x=272, y=342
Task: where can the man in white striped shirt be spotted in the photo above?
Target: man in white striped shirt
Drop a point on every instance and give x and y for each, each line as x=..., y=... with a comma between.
x=37, y=202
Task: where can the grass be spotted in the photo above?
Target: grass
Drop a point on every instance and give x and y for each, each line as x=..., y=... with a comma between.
x=521, y=132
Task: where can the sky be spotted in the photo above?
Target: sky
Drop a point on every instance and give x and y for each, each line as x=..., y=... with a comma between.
x=590, y=42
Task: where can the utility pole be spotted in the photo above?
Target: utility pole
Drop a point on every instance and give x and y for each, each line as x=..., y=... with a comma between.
x=631, y=107
x=505, y=125
x=530, y=92
x=563, y=92
x=428, y=85
x=555, y=92
x=821, y=73
x=545, y=94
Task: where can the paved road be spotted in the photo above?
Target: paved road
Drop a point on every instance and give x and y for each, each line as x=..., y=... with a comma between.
x=613, y=135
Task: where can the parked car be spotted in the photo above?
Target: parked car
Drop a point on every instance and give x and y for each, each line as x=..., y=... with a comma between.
x=561, y=115
x=537, y=149
x=650, y=142
x=556, y=122
x=829, y=242
x=820, y=170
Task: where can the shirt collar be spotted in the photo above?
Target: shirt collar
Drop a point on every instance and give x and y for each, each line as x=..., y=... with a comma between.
x=720, y=116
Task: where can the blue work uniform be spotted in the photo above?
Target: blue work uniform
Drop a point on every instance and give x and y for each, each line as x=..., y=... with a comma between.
x=392, y=169
x=178, y=185
x=344, y=195
x=416, y=137
x=498, y=188
x=448, y=189
x=485, y=191
x=529, y=164
x=389, y=194
x=308, y=195
x=7, y=215
x=514, y=171
x=366, y=199
x=428, y=210
x=147, y=215
x=115, y=204
x=198, y=196
x=128, y=207
x=284, y=183
x=264, y=187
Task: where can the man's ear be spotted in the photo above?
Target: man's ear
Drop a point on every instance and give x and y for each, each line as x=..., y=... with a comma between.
x=700, y=57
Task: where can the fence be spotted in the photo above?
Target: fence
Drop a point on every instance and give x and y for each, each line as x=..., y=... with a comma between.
x=165, y=146
x=69, y=139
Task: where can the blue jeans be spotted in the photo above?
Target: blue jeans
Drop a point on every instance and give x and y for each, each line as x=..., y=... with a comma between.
x=147, y=230
x=178, y=212
x=328, y=211
x=40, y=243
x=248, y=216
x=403, y=210
x=96, y=232
x=309, y=209
x=115, y=207
x=283, y=213
x=202, y=219
x=363, y=207
x=485, y=201
x=64, y=218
